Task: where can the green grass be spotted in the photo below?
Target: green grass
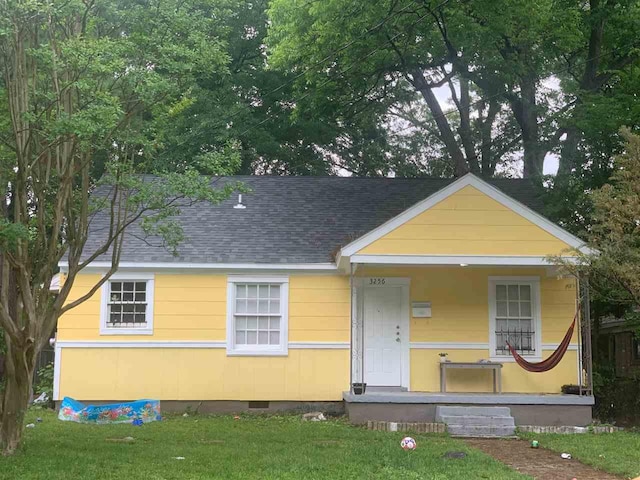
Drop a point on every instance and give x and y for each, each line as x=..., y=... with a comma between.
x=275, y=447
x=617, y=453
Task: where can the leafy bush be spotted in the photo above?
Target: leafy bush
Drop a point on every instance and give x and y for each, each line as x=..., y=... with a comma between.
x=44, y=380
x=617, y=399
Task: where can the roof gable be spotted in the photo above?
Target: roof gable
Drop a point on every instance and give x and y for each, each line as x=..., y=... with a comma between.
x=467, y=217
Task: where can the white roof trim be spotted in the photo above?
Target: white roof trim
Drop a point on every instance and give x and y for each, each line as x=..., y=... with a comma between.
x=316, y=267
x=505, y=260
x=467, y=180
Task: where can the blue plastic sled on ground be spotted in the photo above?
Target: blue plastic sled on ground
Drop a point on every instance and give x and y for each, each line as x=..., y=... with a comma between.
x=139, y=411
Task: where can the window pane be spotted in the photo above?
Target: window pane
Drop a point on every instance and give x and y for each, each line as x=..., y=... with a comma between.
x=501, y=325
x=274, y=338
x=252, y=338
x=252, y=291
x=141, y=297
x=127, y=317
x=525, y=309
x=525, y=325
x=241, y=337
x=263, y=306
x=241, y=323
x=127, y=308
x=140, y=318
x=114, y=318
x=512, y=292
x=263, y=323
x=525, y=292
x=274, y=323
x=127, y=297
x=241, y=291
x=263, y=338
x=274, y=306
x=116, y=297
x=514, y=311
x=140, y=308
x=274, y=291
x=141, y=286
x=252, y=323
x=501, y=292
x=241, y=306
x=252, y=306
x=116, y=286
x=263, y=291
x=127, y=286
x=501, y=309
x=116, y=308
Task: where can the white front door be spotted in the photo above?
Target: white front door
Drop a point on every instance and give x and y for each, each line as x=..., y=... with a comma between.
x=383, y=335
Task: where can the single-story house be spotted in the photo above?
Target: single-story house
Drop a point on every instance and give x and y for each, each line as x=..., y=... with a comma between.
x=292, y=293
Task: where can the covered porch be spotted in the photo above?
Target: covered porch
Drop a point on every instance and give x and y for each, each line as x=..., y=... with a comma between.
x=408, y=318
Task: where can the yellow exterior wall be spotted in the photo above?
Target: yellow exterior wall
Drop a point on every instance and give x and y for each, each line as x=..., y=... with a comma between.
x=460, y=314
x=193, y=308
x=467, y=223
x=202, y=374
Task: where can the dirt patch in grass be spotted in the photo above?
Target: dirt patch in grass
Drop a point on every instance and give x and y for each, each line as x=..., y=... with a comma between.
x=539, y=463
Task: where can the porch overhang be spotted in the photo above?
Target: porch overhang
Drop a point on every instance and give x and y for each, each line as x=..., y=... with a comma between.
x=454, y=260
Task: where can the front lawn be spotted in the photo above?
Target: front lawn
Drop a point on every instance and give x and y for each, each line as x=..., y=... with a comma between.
x=617, y=453
x=249, y=448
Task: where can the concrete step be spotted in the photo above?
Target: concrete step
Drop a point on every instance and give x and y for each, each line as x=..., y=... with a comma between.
x=501, y=421
x=481, y=430
x=474, y=411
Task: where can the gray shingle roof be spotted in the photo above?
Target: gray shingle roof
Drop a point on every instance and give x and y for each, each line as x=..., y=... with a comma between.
x=292, y=219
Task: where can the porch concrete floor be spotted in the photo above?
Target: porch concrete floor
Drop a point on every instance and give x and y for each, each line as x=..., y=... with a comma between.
x=378, y=396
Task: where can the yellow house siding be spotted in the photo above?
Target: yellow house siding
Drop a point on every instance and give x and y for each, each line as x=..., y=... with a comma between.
x=192, y=307
x=460, y=314
x=202, y=374
x=468, y=222
x=425, y=374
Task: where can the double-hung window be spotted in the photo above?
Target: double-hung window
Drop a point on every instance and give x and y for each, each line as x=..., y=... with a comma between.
x=257, y=315
x=127, y=305
x=514, y=316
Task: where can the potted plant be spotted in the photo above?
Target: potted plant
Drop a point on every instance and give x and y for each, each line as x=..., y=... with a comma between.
x=443, y=356
x=359, y=388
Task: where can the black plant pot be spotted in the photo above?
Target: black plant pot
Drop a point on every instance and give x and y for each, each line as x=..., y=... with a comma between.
x=359, y=388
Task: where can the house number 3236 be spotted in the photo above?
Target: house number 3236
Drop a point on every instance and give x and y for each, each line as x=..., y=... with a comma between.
x=377, y=281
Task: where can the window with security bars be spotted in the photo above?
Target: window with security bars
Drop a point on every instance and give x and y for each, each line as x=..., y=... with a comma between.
x=258, y=314
x=127, y=304
x=514, y=318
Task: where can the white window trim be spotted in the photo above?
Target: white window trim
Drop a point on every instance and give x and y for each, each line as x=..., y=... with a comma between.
x=536, y=315
x=258, y=350
x=104, y=309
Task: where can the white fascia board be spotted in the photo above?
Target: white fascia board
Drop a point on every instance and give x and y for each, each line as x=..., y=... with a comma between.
x=171, y=266
x=467, y=180
x=500, y=260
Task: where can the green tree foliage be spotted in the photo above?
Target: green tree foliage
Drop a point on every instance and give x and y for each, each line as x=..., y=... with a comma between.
x=86, y=89
x=613, y=261
x=497, y=58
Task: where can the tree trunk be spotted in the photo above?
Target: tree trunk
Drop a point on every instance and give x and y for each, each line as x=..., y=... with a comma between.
x=525, y=112
x=19, y=368
x=588, y=83
x=446, y=134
